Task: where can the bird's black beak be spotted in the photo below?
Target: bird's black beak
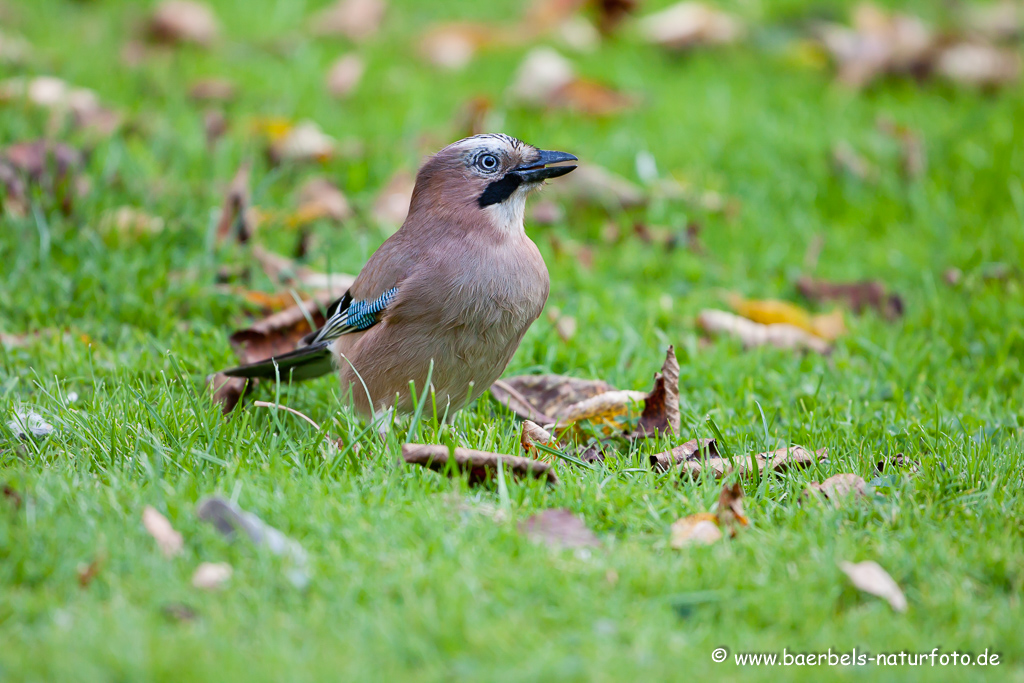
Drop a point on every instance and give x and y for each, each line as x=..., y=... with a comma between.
x=536, y=170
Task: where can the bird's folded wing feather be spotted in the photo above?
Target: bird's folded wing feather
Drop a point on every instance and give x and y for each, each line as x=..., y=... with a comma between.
x=348, y=316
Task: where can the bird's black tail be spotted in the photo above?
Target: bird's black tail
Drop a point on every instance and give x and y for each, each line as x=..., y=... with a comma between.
x=305, y=363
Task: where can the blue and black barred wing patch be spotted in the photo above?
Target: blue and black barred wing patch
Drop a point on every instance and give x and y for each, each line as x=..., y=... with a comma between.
x=356, y=316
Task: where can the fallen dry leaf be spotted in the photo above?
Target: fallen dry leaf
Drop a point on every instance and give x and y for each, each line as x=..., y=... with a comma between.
x=320, y=198
x=998, y=21
x=303, y=142
x=661, y=405
x=871, y=578
x=212, y=90
x=130, y=221
x=705, y=448
x=183, y=21
x=452, y=45
x=344, y=75
x=690, y=24
x=230, y=520
x=169, y=540
x=858, y=296
x=781, y=460
x=280, y=332
x=706, y=528
x=14, y=50
x=878, y=43
x=481, y=465
x=558, y=529
x=533, y=434
x=752, y=334
x=52, y=167
x=211, y=575
x=392, y=203
x=729, y=512
x=829, y=326
x=79, y=105
x=701, y=528
x=236, y=221
x=227, y=391
x=539, y=397
x=978, y=64
x=287, y=272
x=836, y=489
x=354, y=19
x=546, y=78
x=542, y=73
x=612, y=13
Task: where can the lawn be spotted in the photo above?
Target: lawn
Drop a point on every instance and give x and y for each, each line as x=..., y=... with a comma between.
x=414, y=576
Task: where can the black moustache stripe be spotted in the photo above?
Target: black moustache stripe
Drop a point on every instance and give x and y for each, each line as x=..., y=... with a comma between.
x=499, y=190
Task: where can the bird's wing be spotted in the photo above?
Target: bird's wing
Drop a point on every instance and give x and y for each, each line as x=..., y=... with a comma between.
x=346, y=316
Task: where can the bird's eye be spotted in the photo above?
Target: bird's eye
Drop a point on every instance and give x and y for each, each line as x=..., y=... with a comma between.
x=488, y=162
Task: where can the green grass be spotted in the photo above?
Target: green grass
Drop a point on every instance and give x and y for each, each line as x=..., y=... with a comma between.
x=413, y=577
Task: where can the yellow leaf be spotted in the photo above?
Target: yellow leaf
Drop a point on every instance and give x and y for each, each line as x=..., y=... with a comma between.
x=828, y=326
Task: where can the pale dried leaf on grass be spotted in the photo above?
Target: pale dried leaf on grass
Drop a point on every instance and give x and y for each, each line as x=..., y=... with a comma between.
x=533, y=434
x=320, y=198
x=878, y=43
x=754, y=334
x=79, y=105
x=781, y=460
x=691, y=24
x=211, y=575
x=481, y=465
x=303, y=142
x=997, y=21
x=839, y=488
x=546, y=78
x=979, y=64
x=453, y=45
x=871, y=578
x=183, y=21
x=344, y=75
x=827, y=326
x=26, y=423
x=13, y=49
x=538, y=397
x=169, y=540
x=706, y=528
x=354, y=19
x=130, y=221
x=558, y=528
x=392, y=203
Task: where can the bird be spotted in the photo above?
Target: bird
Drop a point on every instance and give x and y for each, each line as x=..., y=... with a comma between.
x=447, y=298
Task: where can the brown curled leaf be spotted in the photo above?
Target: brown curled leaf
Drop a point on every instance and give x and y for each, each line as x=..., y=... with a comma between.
x=280, y=332
x=540, y=397
x=558, y=529
x=235, y=219
x=687, y=451
x=661, y=406
x=534, y=434
x=780, y=335
x=780, y=460
x=858, y=296
x=838, y=488
x=481, y=465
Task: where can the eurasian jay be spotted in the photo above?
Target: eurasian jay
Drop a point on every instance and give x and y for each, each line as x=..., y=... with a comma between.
x=451, y=294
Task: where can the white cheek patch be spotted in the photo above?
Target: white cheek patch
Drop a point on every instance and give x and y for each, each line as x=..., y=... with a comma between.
x=508, y=216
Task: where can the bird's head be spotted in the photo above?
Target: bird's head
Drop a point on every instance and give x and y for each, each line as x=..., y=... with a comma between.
x=490, y=173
